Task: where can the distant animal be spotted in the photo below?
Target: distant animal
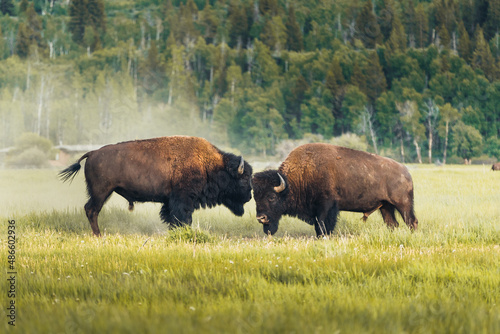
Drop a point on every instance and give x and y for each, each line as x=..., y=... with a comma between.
x=184, y=173
x=316, y=181
x=496, y=166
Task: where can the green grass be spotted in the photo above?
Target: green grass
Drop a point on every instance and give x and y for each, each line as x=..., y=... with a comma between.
x=225, y=276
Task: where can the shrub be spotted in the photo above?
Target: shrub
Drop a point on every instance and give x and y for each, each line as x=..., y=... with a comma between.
x=30, y=158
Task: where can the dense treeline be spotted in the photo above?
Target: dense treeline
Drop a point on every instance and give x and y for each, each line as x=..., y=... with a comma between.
x=418, y=80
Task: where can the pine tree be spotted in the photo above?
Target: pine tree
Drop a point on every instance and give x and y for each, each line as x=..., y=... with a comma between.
x=367, y=28
x=444, y=36
x=293, y=34
x=96, y=15
x=23, y=5
x=358, y=78
x=387, y=14
x=34, y=25
x=86, y=14
x=238, y=32
x=492, y=24
x=464, y=44
x=445, y=14
x=409, y=21
x=397, y=39
x=22, y=48
x=422, y=26
x=482, y=58
x=268, y=7
x=274, y=34
x=336, y=84
x=375, y=78
x=78, y=19
x=210, y=22
x=7, y=7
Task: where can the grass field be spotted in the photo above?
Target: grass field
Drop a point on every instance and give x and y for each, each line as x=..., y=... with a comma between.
x=225, y=276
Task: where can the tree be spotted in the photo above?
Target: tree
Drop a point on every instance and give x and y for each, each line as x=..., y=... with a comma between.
x=336, y=84
x=238, y=25
x=431, y=112
x=397, y=38
x=84, y=14
x=410, y=119
x=23, y=43
x=268, y=7
x=422, y=26
x=367, y=28
x=467, y=142
x=375, y=83
x=7, y=7
x=492, y=147
x=482, y=57
x=448, y=116
x=317, y=118
x=293, y=34
x=464, y=44
x=78, y=19
x=274, y=35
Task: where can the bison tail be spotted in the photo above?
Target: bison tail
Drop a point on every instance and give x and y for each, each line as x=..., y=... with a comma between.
x=69, y=173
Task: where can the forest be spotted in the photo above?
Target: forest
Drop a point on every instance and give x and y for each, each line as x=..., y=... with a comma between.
x=418, y=81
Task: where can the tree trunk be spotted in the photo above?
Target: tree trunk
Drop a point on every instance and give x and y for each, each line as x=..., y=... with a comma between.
x=402, y=147
x=40, y=108
x=446, y=141
x=417, y=147
x=430, y=147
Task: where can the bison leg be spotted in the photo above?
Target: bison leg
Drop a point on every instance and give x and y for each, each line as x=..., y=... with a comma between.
x=92, y=209
x=181, y=210
x=326, y=221
x=387, y=211
x=98, y=195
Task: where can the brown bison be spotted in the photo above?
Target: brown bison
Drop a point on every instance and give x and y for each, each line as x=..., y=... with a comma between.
x=183, y=173
x=496, y=166
x=316, y=181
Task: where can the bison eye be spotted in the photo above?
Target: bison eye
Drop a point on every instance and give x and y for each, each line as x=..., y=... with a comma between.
x=272, y=198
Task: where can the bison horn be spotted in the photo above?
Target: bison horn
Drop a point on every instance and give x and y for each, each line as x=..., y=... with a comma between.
x=241, y=167
x=282, y=185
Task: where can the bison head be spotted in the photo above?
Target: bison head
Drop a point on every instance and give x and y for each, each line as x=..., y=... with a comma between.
x=270, y=191
x=235, y=183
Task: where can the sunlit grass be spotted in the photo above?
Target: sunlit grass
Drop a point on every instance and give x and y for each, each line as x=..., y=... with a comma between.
x=224, y=275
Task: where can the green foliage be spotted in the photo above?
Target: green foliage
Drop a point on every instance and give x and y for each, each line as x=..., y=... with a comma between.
x=7, y=7
x=492, y=147
x=467, y=141
x=188, y=234
x=81, y=72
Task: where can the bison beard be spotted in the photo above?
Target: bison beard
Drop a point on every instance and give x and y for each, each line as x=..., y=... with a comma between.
x=316, y=181
x=183, y=173
x=273, y=198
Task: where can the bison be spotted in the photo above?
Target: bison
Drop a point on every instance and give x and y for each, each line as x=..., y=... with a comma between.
x=496, y=166
x=316, y=181
x=184, y=173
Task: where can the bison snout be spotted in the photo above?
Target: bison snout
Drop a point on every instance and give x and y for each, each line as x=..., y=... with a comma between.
x=263, y=219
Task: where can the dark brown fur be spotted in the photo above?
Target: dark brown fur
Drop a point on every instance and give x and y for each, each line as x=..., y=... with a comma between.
x=323, y=179
x=496, y=166
x=183, y=173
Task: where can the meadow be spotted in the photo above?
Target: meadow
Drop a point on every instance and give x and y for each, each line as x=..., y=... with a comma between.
x=224, y=276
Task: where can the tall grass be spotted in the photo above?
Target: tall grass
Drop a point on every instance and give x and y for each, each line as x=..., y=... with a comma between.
x=224, y=276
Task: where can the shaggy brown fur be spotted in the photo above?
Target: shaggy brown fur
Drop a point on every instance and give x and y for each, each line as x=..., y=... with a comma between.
x=183, y=173
x=496, y=166
x=323, y=179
